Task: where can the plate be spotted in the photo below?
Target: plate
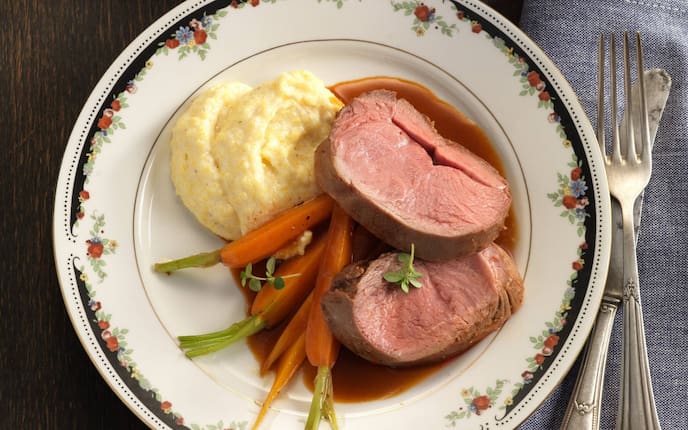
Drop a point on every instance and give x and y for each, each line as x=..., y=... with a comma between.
x=116, y=212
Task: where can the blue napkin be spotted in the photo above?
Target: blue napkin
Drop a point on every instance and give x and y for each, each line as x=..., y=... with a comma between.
x=568, y=32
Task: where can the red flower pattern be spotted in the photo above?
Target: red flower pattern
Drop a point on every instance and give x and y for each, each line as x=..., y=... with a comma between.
x=481, y=403
x=551, y=341
x=112, y=343
x=569, y=201
x=200, y=36
x=104, y=122
x=166, y=406
x=576, y=173
x=533, y=78
x=422, y=12
x=95, y=249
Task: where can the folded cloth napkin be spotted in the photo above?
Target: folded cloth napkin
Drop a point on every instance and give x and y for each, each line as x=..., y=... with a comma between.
x=568, y=32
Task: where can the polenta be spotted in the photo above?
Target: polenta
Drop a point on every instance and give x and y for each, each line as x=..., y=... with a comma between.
x=240, y=155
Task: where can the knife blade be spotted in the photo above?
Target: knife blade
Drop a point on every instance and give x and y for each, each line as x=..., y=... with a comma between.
x=583, y=411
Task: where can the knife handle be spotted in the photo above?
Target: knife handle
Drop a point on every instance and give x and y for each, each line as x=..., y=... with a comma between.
x=583, y=411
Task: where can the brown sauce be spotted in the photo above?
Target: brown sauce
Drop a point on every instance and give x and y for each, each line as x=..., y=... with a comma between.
x=357, y=380
x=262, y=342
x=350, y=370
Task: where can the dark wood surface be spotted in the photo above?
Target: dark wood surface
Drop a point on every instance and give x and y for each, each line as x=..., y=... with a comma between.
x=52, y=54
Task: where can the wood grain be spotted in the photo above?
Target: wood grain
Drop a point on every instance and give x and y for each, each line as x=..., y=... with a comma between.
x=51, y=56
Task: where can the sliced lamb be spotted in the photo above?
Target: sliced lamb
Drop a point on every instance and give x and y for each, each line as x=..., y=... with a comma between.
x=387, y=166
x=460, y=302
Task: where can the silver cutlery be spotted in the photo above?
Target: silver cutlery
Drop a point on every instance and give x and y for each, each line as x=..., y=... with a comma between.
x=583, y=411
x=628, y=174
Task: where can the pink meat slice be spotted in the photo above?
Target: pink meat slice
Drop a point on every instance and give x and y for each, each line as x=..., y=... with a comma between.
x=387, y=166
x=461, y=301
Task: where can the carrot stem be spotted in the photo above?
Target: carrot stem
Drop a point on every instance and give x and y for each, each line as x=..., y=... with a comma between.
x=216, y=334
x=203, y=259
x=322, y=404
x=210, y=338
x=251, y=326
x=270, y=306
x=288, y=364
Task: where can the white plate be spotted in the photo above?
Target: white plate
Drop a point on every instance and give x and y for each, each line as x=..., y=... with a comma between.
x=116, y=212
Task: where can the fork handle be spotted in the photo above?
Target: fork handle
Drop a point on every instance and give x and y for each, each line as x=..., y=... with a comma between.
x=583, y=411
x=637, y=406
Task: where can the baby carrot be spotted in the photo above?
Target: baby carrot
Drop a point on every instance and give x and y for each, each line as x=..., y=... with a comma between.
x=288, y=364
x=295, y=328
x=277, y=233
x=270, y=305
x=274, y=305
x=262, y=242
x=321, y=346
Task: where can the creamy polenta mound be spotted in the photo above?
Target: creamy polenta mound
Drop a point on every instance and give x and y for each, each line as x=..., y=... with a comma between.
x=240, y=155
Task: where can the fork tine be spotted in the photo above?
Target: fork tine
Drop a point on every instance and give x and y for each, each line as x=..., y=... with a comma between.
x=600, y=96
x=616, y=153
x=630, y=149
x=644, y=121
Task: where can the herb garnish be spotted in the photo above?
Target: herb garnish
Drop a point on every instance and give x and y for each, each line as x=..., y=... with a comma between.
x=406, y=274
x=254, y=282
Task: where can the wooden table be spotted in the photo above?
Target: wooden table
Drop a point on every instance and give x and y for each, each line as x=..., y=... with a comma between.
x=52, y=54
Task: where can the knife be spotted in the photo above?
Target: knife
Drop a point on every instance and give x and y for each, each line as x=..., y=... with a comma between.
x=583, y=411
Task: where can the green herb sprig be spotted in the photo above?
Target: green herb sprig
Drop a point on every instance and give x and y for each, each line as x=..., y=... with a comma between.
x=255, y=282
x=406, y=275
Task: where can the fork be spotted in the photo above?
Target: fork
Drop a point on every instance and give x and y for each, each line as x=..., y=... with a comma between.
x=628, y=172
